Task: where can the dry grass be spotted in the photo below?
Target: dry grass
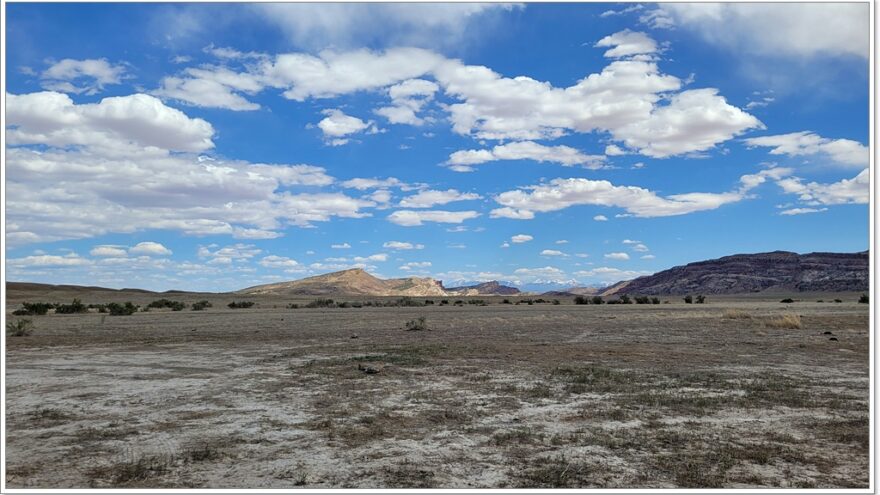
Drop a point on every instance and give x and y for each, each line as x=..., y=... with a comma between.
x=788, y=320
x=736, y=314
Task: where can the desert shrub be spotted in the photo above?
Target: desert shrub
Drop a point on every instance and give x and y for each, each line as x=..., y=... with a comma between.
x=541, y=301
x=688, y=299
x=479, y=302
x=167, y=303
x=556, y=302
x=642, y=300
x=701, y=299
x=33, y=309
x=321, y=303
x=624, y=299
x=429, y=302
x=596, y=300
x=581, y=300
x=75, y=307
x=19, y=328
x=417, y=324
x=201, y=305
x=787, y=300
x=614, y=301
x=864, y=299
x=791, y=321
x=296, y=306
x=838, y=301
x=506, y=301
x=126, y=309
x=458, y=302
x=240, y=304
x=655, y=300
x=736, y=314
x=444, y=302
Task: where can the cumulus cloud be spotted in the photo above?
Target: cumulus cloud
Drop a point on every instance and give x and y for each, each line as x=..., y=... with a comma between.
x=344, y=245
x=637, y=201
x=273, y=261
x=48, y=260
x=415, y=265
x=552, y=252
x=429, y=198
x=150, y=248
x=802, y=211
x=109, y=251
x=413, y=218
x=525, y=150
x=778, y=29
x=600, y=218
x=135, y=123
x=336, y=126
x=845, y=152
x=398, y=245
x=627, y=43
x=617, y=256
x=521, y=238
x=845, y=191
x=362, y=184
x=608, y=274
x=91, y=75
x=408, y=98
x=373, y=257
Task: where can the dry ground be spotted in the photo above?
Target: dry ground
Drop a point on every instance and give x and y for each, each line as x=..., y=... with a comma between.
x=669, y=395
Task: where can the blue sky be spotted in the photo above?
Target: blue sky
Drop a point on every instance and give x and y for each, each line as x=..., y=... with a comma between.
x=213, y=147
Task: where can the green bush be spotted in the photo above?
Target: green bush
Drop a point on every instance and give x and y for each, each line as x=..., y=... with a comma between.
x=33, y=309
x=864, y=299
x=126, y=309
x=201, y=305
x=19, y=328
x=655, y=300
x=787, y=300
x=75, y=307
x=701, y=299
x=597, y=300
x=642, y=300
x=688, y=299
x=624, y=299
x=321, y=303
x=581, y=300
x=240, y=305
x=167, y=303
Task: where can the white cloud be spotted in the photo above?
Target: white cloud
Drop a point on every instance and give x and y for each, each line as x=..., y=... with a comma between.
x=648, y=257
x=150, y=248
x=415, y=265
x=412, y=218
x=318, y=26
x=845, y=152
x=779, y=29
x=552, y=252
x=608, y=274
x=344, y=245
x=640, y=248
x=561, y=241
x=135, y=123
x=362, y=184
x=626, y=43
x=526, y=150
x=845, y=191
x=563, y=193
x=802, y=211
x=617, y=256
x=402, y=245
x=408, y=98
x=49, y=260
x=630, y=241
x=373, y=257
x=337, y=125
x=614, y=150
x=600, y=218
x=109, y=251
x=505, y=245
x=273, y=261
x=512, y=213
x=212, y=88
x=429, y=198
x=92, y=74
x=521, y=238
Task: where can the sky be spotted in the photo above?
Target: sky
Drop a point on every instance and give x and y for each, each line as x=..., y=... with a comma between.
x=218, y=146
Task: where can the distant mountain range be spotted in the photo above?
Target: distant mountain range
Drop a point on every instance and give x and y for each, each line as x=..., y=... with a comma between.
x=778, y=271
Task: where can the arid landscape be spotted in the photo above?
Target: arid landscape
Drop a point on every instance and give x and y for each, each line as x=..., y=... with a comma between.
x=741, y=391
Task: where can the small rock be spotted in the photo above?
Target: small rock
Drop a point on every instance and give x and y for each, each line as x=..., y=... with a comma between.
x=833, y=339
x=827, y=333
x=370, y=370
x=354, y=336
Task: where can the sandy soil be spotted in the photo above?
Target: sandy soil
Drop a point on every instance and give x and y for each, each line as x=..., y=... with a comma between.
x=669, y=395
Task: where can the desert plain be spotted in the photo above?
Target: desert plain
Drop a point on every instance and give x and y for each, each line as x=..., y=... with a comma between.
x=722, y=394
